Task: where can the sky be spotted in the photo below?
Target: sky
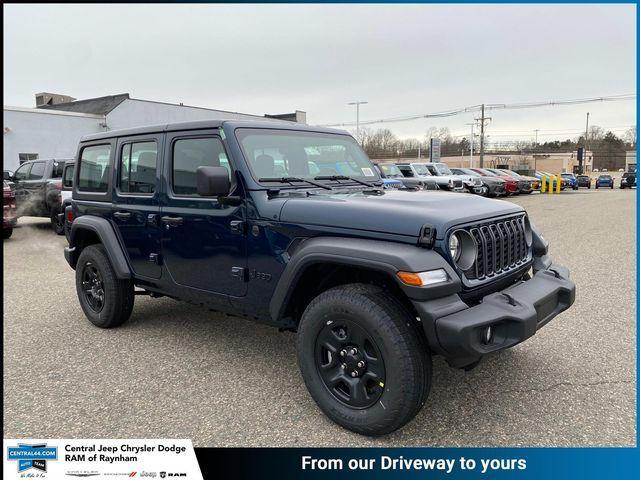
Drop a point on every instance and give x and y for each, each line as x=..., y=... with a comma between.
x=401, y=59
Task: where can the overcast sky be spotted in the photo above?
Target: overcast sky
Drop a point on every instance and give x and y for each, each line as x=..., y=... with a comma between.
x=402, y=59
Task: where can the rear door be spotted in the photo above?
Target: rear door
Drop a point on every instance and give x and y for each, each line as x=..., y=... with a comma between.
x=136, y=207
x=203, y=241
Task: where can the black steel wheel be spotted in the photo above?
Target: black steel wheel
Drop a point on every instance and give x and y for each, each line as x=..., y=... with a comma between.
x=363, y=358
x=350, y=363
x=92, y=287
x=106, y=300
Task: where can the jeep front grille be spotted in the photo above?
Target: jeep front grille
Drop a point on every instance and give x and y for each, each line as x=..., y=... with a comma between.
x=501, y=247
x=457, y=184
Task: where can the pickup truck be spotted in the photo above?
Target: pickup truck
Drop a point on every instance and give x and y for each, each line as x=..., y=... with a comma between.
x=37, y=185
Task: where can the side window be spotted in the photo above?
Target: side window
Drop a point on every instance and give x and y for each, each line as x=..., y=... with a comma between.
x=67, y=177
x=138, y=167
x=22, y=173
x=37, y=171
x=94, y=168
x=191, y=153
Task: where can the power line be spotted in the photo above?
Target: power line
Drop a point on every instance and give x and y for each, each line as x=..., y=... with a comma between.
x=491, y=106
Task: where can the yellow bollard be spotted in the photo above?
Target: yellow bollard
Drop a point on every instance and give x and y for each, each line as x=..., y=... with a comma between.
x=552, y=179
x=543, y=185
x=559, y=177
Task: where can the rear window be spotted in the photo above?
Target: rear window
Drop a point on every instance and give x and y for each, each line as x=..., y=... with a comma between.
x=67, y=177
x=94, y=168
x=58, y=167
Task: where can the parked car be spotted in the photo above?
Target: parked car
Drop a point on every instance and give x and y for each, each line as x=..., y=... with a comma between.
x=604, y=181
x=510, y=183
x=9, y=217
x=584, y=181
x=471, y=184
x=37, y=187
x=373, y=281
x=524, y=186
x=391, y=170
x=533, y=181
x=420, y=171
x=628, y=180
x=493, y=186
x=571, y=180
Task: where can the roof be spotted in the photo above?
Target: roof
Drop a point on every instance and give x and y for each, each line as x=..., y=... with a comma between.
x=210, y=124
x=50, y=112
x=96, y=106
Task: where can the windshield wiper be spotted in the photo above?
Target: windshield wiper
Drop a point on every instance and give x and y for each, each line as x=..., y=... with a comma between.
x=344, y=177
x=294, y=180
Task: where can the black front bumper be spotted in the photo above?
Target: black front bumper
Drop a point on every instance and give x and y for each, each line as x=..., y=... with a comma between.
x=459, y=332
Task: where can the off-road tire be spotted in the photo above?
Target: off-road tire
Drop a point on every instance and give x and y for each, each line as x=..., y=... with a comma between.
x=7, y=232
x=118, y=294
x=406, y=356
x=58, y=227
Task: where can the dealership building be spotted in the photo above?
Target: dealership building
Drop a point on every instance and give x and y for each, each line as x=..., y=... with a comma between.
x=53, y=128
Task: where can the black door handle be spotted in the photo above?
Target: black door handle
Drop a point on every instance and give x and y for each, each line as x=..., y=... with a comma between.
x=172, y=221
x=122, y=215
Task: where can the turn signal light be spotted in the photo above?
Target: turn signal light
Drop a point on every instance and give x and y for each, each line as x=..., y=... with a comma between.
x=422, y=279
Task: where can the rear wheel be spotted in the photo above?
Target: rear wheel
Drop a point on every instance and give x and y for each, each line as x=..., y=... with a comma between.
x=363, y=360
x=56, y=223
x=106, y=300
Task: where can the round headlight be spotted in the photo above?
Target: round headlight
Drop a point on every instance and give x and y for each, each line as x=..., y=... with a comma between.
x=463, y=249
x=454, y=247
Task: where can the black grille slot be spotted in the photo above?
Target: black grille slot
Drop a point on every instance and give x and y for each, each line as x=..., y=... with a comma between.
x=501, y=246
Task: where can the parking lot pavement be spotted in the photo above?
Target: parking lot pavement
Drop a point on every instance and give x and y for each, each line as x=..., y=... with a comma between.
x=179, y=371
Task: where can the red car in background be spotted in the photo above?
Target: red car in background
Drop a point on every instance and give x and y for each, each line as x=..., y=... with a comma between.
x=9, y=217
x=511, y=183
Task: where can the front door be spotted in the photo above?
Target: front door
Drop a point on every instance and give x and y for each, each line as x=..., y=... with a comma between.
x=136, y=207
x=29, y=188
x=203, y=242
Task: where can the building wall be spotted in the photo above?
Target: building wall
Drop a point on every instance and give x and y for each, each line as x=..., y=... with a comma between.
x=135, y=113
x=49, y=133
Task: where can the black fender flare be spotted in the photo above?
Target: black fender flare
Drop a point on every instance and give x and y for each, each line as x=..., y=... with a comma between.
x=383, y=256
x=108, y=238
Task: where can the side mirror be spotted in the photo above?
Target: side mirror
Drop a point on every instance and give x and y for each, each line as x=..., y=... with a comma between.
x=213, y=182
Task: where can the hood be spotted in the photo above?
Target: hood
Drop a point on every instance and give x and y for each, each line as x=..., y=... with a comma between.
x=396, y=212
x=491, y=180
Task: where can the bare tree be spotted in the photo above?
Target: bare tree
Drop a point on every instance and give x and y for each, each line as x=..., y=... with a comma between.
x=630, y=136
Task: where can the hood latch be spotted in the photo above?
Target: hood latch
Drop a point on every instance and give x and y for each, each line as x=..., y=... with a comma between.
x=427, y=236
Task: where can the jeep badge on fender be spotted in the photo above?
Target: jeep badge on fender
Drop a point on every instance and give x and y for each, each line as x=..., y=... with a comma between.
x=289, y=225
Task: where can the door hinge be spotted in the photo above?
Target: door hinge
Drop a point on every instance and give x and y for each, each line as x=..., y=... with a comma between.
x=241, y=273
x=155, y=258
x=427, y=236
x=237, y=226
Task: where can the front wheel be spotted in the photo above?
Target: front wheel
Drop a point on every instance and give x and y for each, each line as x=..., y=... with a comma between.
x=363, y=360
x=106, y=300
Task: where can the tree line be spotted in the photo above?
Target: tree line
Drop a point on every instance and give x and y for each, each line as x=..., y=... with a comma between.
x=383, y=143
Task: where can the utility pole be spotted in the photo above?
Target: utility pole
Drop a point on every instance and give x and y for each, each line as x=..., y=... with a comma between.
x=471, y=149
x=586, y=141
x=536, y=130
x=357, y=104
x=483, y=119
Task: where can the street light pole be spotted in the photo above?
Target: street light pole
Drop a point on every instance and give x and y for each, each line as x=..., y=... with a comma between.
x=357, y=104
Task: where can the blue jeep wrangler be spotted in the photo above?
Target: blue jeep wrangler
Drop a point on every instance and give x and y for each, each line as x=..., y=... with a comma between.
x=288, y=225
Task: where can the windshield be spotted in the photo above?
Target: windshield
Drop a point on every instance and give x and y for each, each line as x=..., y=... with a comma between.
x=275, y=153
x=510, y=173
x=422, y=170
x=442, y=169
x=390, y=170
x=466, y=171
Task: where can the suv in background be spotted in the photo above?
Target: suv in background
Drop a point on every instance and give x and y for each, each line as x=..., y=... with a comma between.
x=628, y=180
x=373, y=281
x=391, y=170
x=493, y=186
x=584, y=181
x=420, y=170
x=65, y=217
x=605, y=180
x=37, y=188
